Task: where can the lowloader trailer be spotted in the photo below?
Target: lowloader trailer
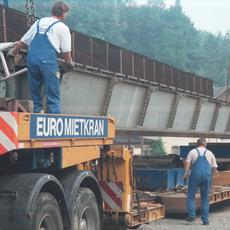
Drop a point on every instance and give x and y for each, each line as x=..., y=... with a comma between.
x=86, y=180
x=162, y=177
x=62, y=172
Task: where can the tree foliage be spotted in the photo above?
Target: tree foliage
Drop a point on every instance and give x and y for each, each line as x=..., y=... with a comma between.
x=152, y=29
x=156, y=148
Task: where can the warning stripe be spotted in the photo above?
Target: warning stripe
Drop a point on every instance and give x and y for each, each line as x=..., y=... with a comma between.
x=112, y=195
x=11, y=118
x=107, y=208
x=2, y=149
x=8, y=131
x=109, y=202
x=117, y=190
x=6, y=142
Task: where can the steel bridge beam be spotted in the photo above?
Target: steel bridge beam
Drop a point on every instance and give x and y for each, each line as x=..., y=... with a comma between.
x=145, y=105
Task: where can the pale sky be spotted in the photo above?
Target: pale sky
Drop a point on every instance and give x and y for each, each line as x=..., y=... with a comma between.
x=209, y=15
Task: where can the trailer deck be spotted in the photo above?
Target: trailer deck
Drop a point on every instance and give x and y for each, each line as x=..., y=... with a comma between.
x=175, y=202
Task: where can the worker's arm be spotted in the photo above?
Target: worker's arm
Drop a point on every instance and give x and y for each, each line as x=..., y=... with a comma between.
x=186, y=169
x=65, y=45
x=214, y=169
x=68, y=65
x=187, y=164
x=214, y=164
x=25, y=40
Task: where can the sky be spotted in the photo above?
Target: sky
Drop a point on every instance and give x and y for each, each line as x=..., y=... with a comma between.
x=209, y=15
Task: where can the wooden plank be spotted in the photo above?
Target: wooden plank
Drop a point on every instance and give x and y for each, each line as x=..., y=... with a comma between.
x=221, y=178
x=176, y=202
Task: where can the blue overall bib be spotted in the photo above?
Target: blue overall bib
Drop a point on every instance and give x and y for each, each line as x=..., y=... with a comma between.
x=200, y=178
x=43, y=68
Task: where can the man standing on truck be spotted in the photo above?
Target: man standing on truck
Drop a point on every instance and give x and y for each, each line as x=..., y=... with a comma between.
x=202, y=163
x=47, y=37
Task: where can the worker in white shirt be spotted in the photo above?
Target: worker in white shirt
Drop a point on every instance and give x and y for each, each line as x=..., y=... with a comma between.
x=203, y=164
x=45, y=39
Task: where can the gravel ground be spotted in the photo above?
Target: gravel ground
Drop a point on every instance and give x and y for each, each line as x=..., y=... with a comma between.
x=219, y=220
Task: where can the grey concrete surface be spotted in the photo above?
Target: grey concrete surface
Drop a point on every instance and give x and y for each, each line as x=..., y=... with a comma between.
x=219, y=220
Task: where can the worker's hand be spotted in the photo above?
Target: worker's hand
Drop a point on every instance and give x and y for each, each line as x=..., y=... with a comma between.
x=14, y=50
x=10, y=53
x=216, y=173
x=14, y=55
x=185, y=176
x=68, y=66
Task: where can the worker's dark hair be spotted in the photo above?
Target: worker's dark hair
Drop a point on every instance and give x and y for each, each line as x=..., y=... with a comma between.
x=201, y=141
x=59, y=8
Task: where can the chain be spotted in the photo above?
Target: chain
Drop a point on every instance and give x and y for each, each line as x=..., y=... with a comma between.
x=30, y=18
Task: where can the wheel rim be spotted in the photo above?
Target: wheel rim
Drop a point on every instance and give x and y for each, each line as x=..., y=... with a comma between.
x=83, y=224
x=85, y=211
x=86, y=220
x=45, y=223
x=83, y=220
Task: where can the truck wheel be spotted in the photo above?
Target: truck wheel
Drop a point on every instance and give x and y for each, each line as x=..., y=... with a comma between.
x=86, y=213
x=47, y=215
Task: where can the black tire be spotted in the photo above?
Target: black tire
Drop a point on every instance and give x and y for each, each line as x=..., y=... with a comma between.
x=47, y=214
x=85, y=213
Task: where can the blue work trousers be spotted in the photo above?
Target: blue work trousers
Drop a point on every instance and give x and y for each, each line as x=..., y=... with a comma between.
x=44, y=72
x=201, y=182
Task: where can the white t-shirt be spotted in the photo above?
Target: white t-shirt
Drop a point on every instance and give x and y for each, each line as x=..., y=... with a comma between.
x=193, y=155
x=59, y=34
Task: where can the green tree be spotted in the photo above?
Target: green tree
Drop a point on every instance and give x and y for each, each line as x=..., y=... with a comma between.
x=154, y=30
x=157, y=148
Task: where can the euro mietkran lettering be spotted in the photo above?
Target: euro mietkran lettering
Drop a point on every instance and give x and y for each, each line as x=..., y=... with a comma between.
x=51, y=126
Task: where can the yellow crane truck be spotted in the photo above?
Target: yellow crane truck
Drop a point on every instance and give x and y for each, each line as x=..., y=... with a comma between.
x=62, y=171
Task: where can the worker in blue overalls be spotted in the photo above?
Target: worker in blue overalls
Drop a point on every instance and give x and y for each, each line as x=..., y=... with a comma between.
x=202, y=163
x=47, y=37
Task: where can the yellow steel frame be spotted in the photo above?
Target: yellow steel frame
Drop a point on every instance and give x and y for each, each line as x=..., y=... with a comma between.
x=124, y=173
x=74, y=151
